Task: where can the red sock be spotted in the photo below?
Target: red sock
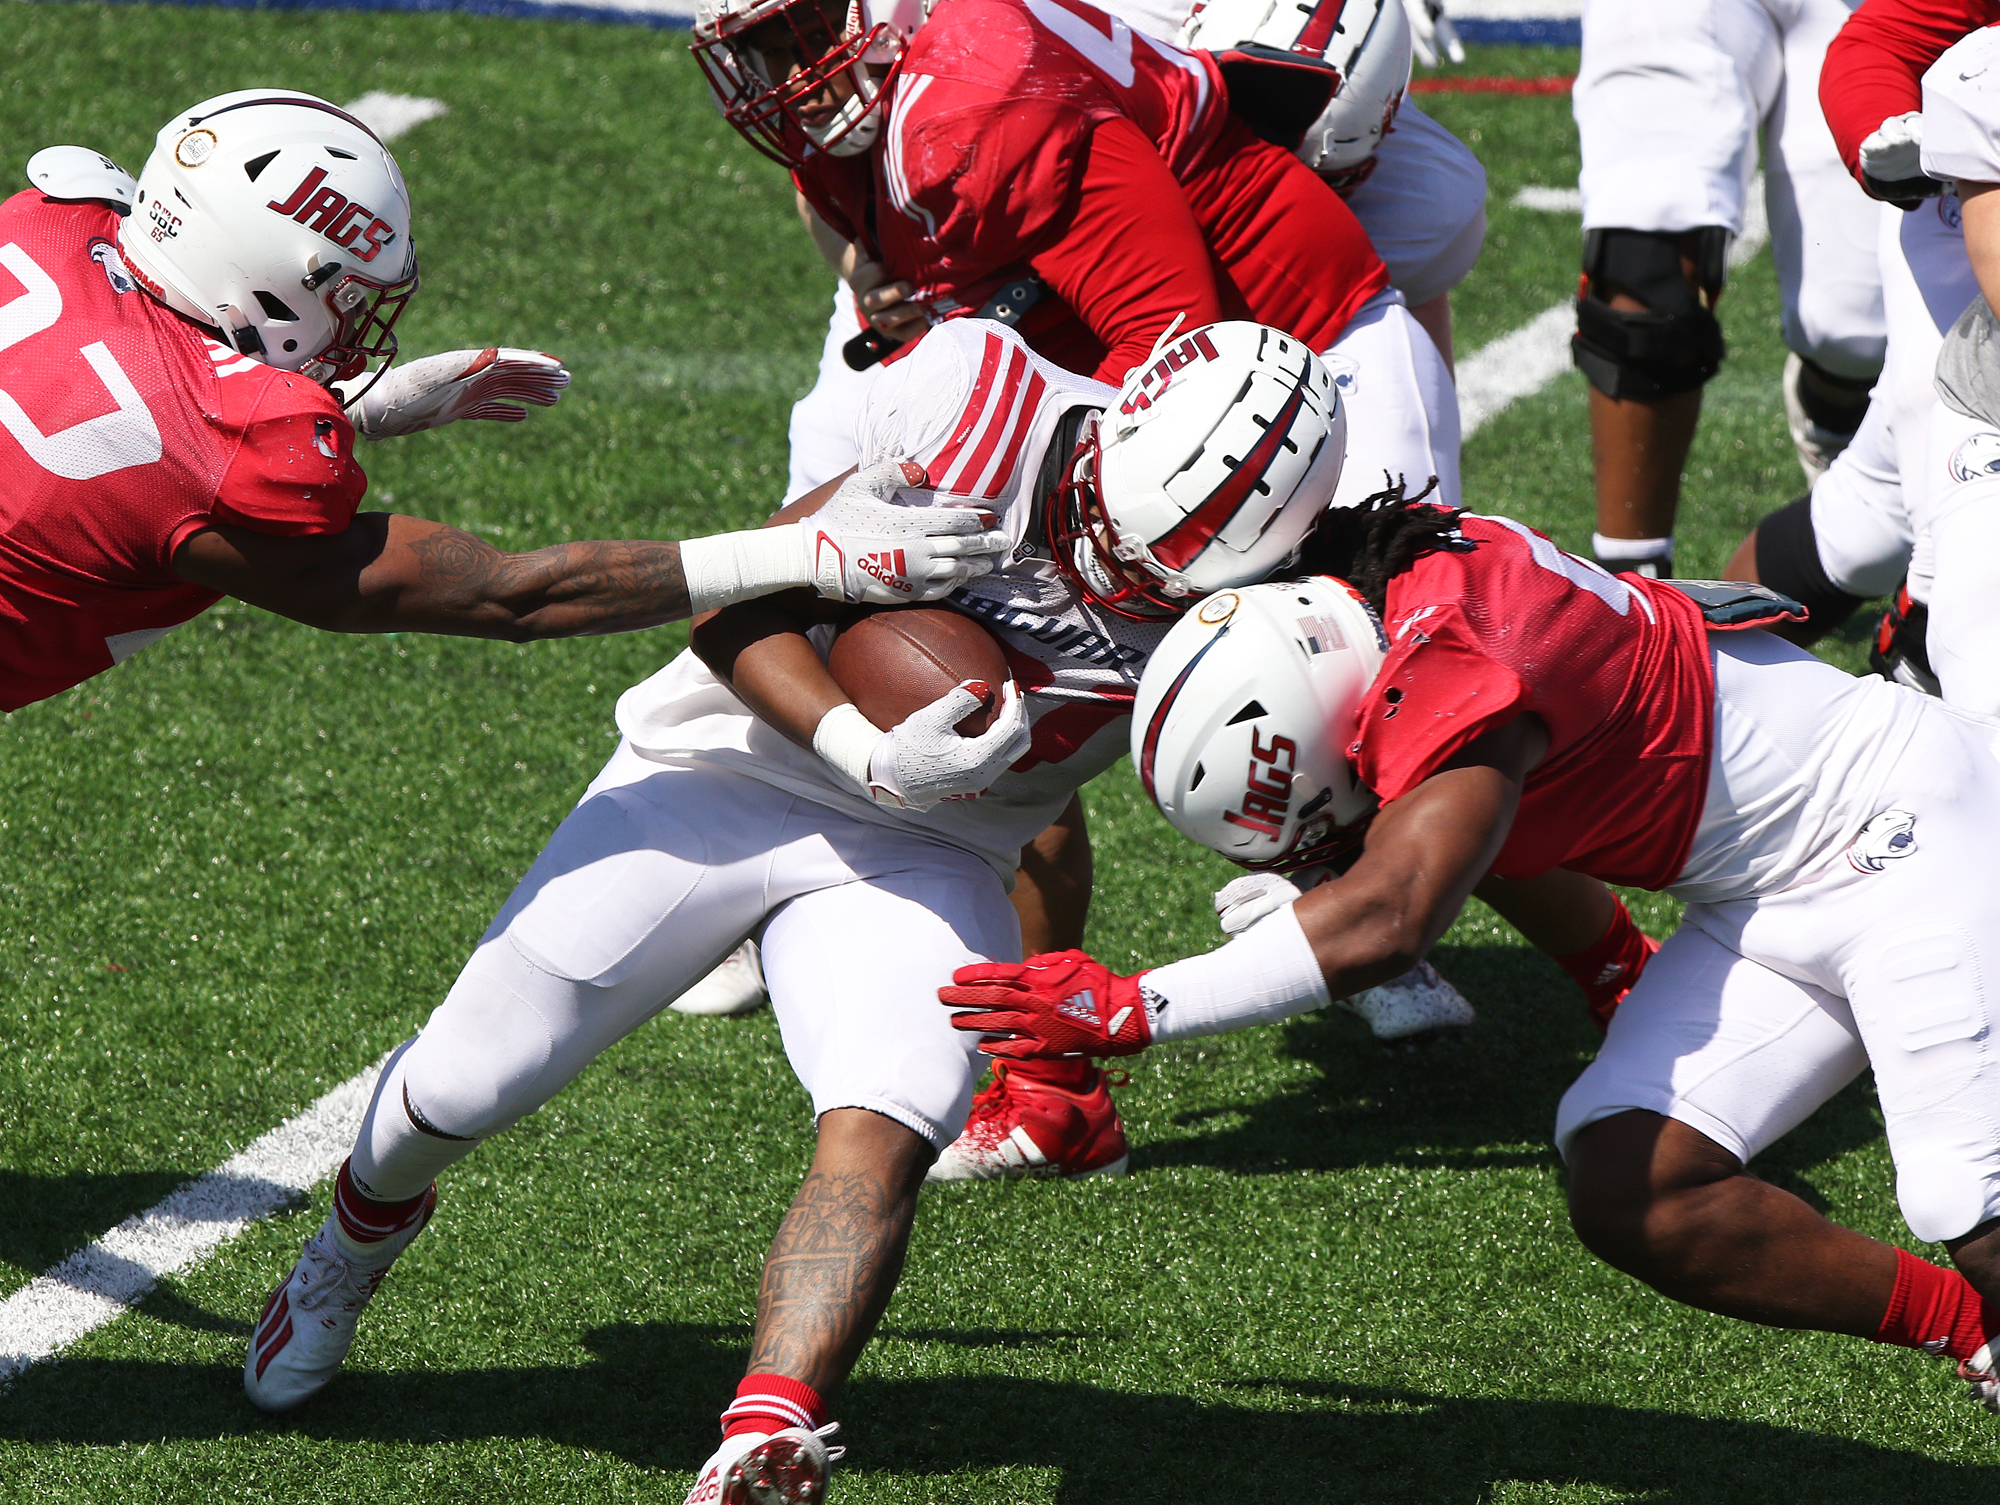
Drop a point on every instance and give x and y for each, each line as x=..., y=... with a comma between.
x=1071, y=1073
x=1933, y=1306
x=770, y=1403
x=366, y=1220
x=1607, y=970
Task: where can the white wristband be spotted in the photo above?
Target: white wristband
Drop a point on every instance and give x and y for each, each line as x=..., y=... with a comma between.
x=732, y=567
x=1266, y=974
x=846, y=739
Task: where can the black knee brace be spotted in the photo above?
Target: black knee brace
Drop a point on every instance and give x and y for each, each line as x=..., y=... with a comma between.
x=1676, y=344
x=1788, y=561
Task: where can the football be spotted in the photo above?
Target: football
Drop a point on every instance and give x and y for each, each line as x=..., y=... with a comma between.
x=900, y=659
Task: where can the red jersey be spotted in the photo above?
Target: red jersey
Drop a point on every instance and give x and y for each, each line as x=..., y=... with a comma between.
x=1047, y=135
x=1616, y=666
x=123, y=431
x=1875, y=65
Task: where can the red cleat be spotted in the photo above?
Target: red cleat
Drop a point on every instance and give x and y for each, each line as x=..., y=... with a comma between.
x=1025, y=1125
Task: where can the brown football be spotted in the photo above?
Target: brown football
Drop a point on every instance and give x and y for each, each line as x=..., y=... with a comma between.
x=900, y=659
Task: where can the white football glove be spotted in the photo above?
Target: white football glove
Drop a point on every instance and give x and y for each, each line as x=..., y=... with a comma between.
x=866, y=550
x=1431, y=32
x=1892, y=159
x=1244, y=901
x=923, y=761
x=441, y=389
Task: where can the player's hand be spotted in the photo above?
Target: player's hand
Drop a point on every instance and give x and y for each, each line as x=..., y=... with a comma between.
x=441, y=389
x=1892, y=165
x=866, y=550
x=923, y=760
x=1062, y=1003
x=1431, y=32
x=1242, y=902
x=885, y=304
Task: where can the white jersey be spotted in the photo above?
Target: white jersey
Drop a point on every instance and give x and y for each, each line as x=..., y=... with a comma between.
x=978, y=410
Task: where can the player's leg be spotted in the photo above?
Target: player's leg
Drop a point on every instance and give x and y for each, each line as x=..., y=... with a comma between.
x=1424, y=208
x=1711, y=1059
x=822, y=446
x=1823, y=238
x=1667, y=105
x=854, y=972
x=653, y=876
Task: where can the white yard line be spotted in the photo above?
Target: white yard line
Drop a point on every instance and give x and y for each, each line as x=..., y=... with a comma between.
x=99, y=1283
x=1519, y=364
x=391, y=115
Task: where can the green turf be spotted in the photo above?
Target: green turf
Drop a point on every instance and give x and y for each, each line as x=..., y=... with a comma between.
x=238, y=868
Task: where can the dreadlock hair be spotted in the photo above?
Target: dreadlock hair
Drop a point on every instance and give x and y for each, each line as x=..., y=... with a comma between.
x=1369, y=545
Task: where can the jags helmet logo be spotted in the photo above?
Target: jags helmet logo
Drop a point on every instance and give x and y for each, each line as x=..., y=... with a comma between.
x=1886, y=837
x=1978, y=456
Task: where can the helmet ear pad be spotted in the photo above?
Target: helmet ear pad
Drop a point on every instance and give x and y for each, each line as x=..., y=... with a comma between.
x=1244, y=718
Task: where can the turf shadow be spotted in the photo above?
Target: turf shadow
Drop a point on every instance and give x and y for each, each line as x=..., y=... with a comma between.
x=649, y=1394
x=1482, y=1100
x=43, y=1218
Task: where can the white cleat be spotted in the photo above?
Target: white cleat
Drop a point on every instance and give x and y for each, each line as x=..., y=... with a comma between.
x=776, y=1468
x=1983, y=1384
x=734, y=987
x=1418, y=1003
x=307, y=1324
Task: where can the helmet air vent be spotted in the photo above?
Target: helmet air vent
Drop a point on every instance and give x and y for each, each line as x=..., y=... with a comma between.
x=1249, y=712
x=334, y=151
x=276, y=308
x=256, y=165
x=1200, y=773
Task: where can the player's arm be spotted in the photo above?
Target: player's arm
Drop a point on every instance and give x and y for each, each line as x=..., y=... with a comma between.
x=1130, y=256
x=391, y=573
x=1424, y=854
x=1871, y=85
x=884, y=301
x=762, y=650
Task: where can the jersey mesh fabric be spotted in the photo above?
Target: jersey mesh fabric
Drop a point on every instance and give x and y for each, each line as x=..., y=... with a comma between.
x=978, y=410
x=153, y=433
x=1615, y=666
x=987, y=155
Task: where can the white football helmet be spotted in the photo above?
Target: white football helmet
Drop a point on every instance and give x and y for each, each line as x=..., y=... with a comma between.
x=796, y=76
x=281, y=221
x=1244, y=717
x=1211, y=468
x=1365, y=42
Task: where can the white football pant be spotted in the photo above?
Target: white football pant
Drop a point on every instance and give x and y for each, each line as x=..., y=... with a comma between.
x=1670, y=100
x=1756, y=1011
x=659, y=873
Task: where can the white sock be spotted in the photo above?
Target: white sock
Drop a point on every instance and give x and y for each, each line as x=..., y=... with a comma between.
x=1651, y=557
x=1266, y=974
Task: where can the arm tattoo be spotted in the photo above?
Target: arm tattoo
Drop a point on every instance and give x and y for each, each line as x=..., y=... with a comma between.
x=565, y=590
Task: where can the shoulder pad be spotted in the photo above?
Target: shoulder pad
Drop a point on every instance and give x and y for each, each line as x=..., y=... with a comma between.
x=75, y=173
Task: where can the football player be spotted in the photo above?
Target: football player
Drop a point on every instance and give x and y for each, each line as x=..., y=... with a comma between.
x=1917, y=459
x=749, y=795
x=1090, y=182
x=168, y=362
x=1669, y=105
x=1470, y=702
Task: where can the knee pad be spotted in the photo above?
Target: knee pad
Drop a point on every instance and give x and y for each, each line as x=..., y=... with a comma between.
x=1674, y=346
x=1788, y=561
x=479, y=1065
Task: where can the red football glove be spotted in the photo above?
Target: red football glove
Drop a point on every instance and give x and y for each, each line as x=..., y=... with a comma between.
x=1062, y=1003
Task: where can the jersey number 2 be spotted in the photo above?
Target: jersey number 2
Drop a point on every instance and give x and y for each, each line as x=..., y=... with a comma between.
x=96, y=446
